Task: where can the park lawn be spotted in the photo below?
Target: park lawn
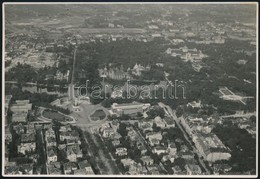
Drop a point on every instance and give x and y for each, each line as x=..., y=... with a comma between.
x=51, y=114
x=98, y=115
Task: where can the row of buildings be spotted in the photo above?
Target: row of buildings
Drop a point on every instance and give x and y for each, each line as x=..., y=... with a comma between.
x=208, y=144
x=20, y=110
x=186, y=54
x=64, y=154
x=131, y=109
x=22, y=148
x=118, y=73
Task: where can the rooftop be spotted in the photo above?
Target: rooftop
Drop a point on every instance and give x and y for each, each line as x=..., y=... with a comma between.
x=84, y=164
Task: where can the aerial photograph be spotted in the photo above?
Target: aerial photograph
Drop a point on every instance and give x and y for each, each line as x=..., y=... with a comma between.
x=121, y=89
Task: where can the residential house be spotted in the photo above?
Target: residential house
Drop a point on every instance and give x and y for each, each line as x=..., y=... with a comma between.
x=178, y=171
x=65, y=128
x=26, y=147
x=153, y=135
x=54, y=171
x=12, y=170
x=223, y=168
x=169, y=122
x=153, y=169
x=7, y=104
x=8, y=135
x=73, y=141
x=50, y=133
x=26, y=169
x=127, y=162
x=186, y=155
x=62, y=147
x=194, y=104
x=30, y=128
x=132, y=135
x=138, y=69
x=75, y=135
x=67, y=168
x=80, y=172
x=108, y=132
x=65, y=135
x=154, y=138
x=146, y=126
x=172, y=149
x=159, y=150
x=51, y=154
x=154, y=142
x=115, y=142
x=74, y=166
x=242, y=62
x=193, y=169
x=117, y=136
x=159, y=122
x=85, y=165
x=73, y=152
x=19, y=117
x=147, y=160
x=27, y=143
x=135, y=169
x=142, y=148
x=51, y=141
x=19, y=128
x=121, y=151
x=190, y=124
x=55, y=164
x=168, y=157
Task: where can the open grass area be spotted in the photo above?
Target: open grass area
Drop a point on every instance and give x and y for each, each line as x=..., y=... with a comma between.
x=52, y=114
x=98, y=115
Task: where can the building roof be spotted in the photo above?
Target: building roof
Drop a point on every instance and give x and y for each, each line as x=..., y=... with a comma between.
x=160, y=148
x=83, y=164
x=25, y=168
x=51, y=139
x=153, y=133
x=67, y=166
x=13, y=170
x=169, y=121
x=129, y=106
x=172, y=145
x=210, y=143
x=29, y=137
x=176, y=169
x=127, y=162
x=146, y=158
x=193, y=168
x=54, y=171
x=80, y=172
x=52, y=152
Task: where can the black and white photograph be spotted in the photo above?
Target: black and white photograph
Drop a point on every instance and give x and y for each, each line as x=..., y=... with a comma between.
x=130, y=89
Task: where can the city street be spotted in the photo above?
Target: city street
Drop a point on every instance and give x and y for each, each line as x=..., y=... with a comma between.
x=169, y=111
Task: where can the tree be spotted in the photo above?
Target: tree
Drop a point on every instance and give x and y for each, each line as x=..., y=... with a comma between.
x=253, y=119
x=179, y=111
x=122, y=129
x=106, y=103
x=152, y=113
